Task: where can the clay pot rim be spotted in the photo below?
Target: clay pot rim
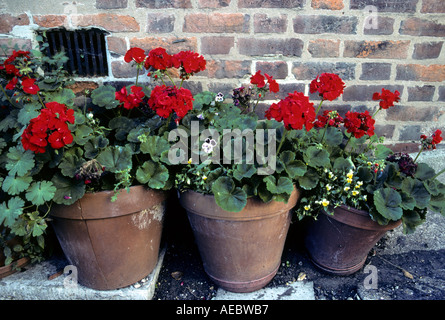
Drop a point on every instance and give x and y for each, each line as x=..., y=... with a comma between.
x=124, y=205
x=359, y=219
x=255, y=208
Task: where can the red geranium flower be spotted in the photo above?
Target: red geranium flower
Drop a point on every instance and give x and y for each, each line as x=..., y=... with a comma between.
x=329, y=86
x=258, y=79
x=159, y=59
x=131, y=100
x=167, y=99
x=359, y=124
x=190, y=62
x=430, y=142
x=295, y=111
x=329, y=118
x=52, y=120
x=273, y=85
x=136, y=54
x=387, y=98
x=12, y=83
x=29, y=86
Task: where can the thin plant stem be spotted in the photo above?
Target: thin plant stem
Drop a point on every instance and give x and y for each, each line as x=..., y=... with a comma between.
x=319, y=106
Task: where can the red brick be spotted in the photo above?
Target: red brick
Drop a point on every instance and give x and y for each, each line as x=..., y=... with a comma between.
x=265, y=24
x=50, y=20
x=310, y=70
x=111, y=4
x=417, y=72
x=322, y=48
x=385, y=26
x=7, y=22
x=160, y=22
x=386, y=5
x=376, y=49
x=221, y=69
x=270, y=3
x=422, y=27
x=213, y=4
x=172, y=44
x=433, y=6
x=427, y=50
x=375, y=71
x=275, y=69
x=110, y=22
x=327, y=4
x=163, y=4
x=216, y=22
x=117, y=45
x=217, y=45
x=424, y=93
x=258, y=47
x=316, y=24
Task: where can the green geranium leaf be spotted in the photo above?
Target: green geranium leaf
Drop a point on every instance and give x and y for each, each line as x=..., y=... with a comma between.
x=116, y=159
x=294, y=168
x=104, y=96
x=388, y=203
x=71, y=162
x=123, y=126
x=10, y=211
x=382, y=152
x=15, y=185
x=40, y=192
x=82, y=134
x=28, y=112
x=410, y=220
x=68, y=191
x=228, y=196
x=155, y=146
x=155, y=174
x=284, y=185
x=10, y=121
x=19, y=161
x=94, y=146
x=424, y=172
x=334, y=136
x=309, y=180
x=316, y=157
x=365, y=174
x=437, y=203
x=202, y=99
x=64, y=96
x=417, y=190
x=408, y=202
x=244, y=171
x=342, y=164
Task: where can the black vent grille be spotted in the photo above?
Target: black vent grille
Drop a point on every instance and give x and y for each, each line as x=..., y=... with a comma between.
x=85, y=49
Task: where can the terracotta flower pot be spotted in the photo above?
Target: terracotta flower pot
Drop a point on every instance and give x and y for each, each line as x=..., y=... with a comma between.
x=241, y=251
x=17, y=263
x=340, y=243
x=112, y=244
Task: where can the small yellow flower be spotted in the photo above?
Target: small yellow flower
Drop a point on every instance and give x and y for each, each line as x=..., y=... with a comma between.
x=355, y=192
x=331, y=175
x=190, y=161
x=328, y=187
x=349, y=180
x=325, y=202
x=307, y=207
x=346, y=188
x=350, y=174
x=204, y=177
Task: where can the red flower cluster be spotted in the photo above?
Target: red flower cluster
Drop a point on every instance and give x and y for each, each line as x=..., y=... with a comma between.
x=11, y=70
x=430, y=142
x=387, y=98
x=295, y=111
x=53, y=121
x=359, y=124
x=190, y=62
x=329, y=118
x=329, y=86
x=167, y=99
x=259, y=80
x=131, y=100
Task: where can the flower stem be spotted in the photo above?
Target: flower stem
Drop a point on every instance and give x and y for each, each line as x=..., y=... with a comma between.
x=319, y=106
x=7, y=97
x=282, y=141
x=438, y=174
x=418, y=154
x=376, y=112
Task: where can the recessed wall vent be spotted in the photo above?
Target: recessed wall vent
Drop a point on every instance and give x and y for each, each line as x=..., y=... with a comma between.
x=85, y=49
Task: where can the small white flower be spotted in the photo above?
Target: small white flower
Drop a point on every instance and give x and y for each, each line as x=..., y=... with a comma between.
x=200, y=116
x=90, y=115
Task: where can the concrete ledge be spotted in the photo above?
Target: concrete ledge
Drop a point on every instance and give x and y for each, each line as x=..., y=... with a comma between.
x=34, y=284
x=435, y=159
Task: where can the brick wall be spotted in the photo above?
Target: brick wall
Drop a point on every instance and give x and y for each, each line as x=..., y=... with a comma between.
x=293, y=40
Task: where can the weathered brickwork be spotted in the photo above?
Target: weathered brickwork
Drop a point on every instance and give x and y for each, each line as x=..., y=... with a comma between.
x=396, y=44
